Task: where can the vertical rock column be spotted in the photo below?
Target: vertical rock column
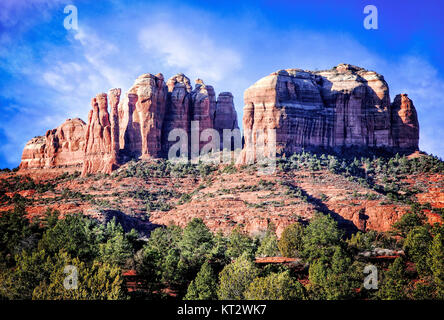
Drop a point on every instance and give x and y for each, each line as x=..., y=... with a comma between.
x=99, y=148
x=203, y=109
x=114, y=98
x=405, y=126
x=177, y=114
x=225, y=116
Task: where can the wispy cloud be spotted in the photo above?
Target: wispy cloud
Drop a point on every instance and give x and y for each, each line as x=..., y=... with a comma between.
x=193, y=51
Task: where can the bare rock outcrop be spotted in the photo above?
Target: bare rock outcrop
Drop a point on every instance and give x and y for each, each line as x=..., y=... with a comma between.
x=102, y=147
x=346, y=106
x=405, y=126
x=203, y=108
x=178, y=106
x=143, y=111
x=225, y=116
x=60, y=147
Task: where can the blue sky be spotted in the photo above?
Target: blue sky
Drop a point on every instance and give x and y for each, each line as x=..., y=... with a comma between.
x=48, y=73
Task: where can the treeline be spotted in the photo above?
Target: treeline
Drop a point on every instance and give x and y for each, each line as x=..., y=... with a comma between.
x=194, y=263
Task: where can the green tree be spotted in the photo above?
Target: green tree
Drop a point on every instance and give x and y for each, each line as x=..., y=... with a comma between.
x=320, y=237
x=407, y=222
x=416, y=246
x=276, y=286
x=334, y=278
x=100, y=281
x=30, y=270
x=394, y=282
x=235, y=278
x=117, y=250
x=196, y=242
x=76, y=234
x=239, y=243
x=14, y=228
x=291, y=242
x=436, y=263
x=148, y=268
x=204, y=286
x=269, y=244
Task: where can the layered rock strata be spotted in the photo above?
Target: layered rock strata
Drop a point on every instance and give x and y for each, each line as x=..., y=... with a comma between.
x=346, y=106
x=63, y=146
x=136, y=126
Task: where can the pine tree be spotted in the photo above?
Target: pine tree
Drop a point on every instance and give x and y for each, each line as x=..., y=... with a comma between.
x=394, y=283
x=235, y=277
x=291, y=242
x=416, y=246
x=269, y=244
x=204, y=286
x=276, y=286
x=436, y=264
x=320, y=237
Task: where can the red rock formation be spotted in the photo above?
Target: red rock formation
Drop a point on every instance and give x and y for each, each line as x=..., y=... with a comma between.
x=177, y=115
x=142, y=113
x=102, y=147
x=62, y=146
x=225, y=115
x=405, y=126
x=346, y=106
x=203, y=108
x=114, y=98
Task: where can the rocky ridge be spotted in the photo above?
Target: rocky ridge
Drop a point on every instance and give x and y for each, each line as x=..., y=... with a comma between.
x=136, y=127
x=346, y=106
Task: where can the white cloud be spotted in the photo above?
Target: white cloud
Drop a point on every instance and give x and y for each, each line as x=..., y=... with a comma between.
x=193, y=51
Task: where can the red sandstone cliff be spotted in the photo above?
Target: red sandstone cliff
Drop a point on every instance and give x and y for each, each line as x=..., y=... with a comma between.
x=346, y=106
x=136, y=126
x=63, y=146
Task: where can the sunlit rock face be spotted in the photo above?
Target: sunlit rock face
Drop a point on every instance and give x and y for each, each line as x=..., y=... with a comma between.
x=346, y=106
x=136, y=126
x=101, y=136
x=405, y=126
x=141, y=113
x=63, y=146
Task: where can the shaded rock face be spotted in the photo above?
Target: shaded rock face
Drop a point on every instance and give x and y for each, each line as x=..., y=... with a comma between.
x=203, y=108
x=225, y=116
x=134, y=127
x=63, y=146
x=405, y=126
x=346, y=106
x=178, y=107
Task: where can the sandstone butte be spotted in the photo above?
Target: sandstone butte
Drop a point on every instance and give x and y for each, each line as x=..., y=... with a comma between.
x=346, y=106
x=135, y=126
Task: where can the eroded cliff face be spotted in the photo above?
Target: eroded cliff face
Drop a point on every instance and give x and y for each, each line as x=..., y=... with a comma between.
x=178, y=109
x=63, y=146
x=143, y=111
x=101, y=136
x=225, y=116
x=203, y=108
x=346, y=106
x=135, y=127
x=405, y=126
